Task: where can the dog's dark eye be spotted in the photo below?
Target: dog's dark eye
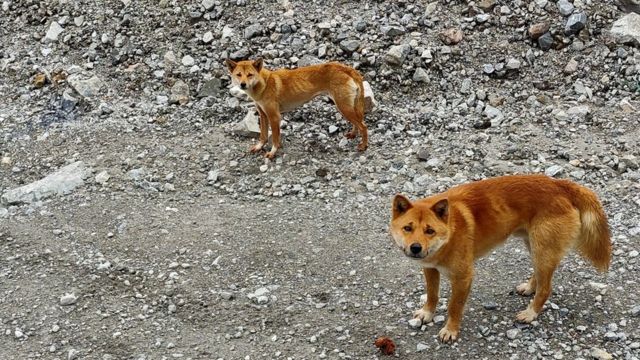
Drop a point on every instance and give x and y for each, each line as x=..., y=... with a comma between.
x=407, y=228
x=249, y=75
x=430, y=231
x=239, y=74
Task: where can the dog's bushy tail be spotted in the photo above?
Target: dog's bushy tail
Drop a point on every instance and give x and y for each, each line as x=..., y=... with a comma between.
x=595, y=238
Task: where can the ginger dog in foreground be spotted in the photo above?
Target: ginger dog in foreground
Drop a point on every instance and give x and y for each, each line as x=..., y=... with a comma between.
x=275, y=92
x=445, y=233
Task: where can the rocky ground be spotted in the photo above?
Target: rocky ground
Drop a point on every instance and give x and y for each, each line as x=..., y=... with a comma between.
x=146, y=230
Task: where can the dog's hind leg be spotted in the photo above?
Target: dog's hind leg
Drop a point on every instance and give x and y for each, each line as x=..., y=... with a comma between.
x=550, y=238
x=349, y=112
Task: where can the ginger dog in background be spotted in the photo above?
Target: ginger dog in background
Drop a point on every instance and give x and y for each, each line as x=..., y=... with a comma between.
x=445, y=233
x=275, y=92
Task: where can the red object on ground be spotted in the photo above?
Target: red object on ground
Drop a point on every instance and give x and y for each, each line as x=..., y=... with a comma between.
x=386, y=345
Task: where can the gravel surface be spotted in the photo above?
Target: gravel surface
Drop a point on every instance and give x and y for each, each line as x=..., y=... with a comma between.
x=135, y=225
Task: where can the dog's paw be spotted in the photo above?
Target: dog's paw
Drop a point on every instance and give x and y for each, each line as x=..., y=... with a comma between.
x=270, y=155
x=526, y=316
x=424, y=315
x=350, y=135
x=448, y=335
x=256, y=148
x=525, y=289
x=362, y=147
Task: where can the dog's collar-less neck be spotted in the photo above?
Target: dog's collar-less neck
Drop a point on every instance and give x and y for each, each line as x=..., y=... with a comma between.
x=259, y=88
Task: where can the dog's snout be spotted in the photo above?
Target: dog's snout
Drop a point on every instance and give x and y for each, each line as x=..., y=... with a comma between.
x=415, y=248
x=243, y=86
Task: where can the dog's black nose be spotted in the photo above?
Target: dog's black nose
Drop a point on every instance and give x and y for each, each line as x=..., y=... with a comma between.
x=243, y=86
x=415, y=248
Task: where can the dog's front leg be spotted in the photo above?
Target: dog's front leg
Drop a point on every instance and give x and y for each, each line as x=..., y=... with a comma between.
x=273, y=114
x=460, y=286
x=264, y=131
x=432, y=285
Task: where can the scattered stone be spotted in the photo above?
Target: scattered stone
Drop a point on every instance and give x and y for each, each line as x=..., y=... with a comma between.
x=249, y=126
x=575, y=23
x=554, y=170
x=179, y=93
x=635, y=311
x=490, y=305
x=513, y=333
x=207, y=37
x=451, y=36
x=39, y=80
x=307, y=60
x=87, y=88
x=208, y=4
x=627, y=29
x=370, y=102
x=415, y=323
x=252, y=31
x=68, y=299
x=494, y=115
x=188, y=61
x=397, y=54
x=420, y=75
x=571, y=67
x=545, y=41
x=54, y=31
x=421, y=347
x=600, y=354
x=61, y=182
x=565, y=7
x=102, y=177
x=537, y=30
x=349, y=45
x=487, y=5
x=579, y=112
x=136, y=174
x=392, y=30
x=512, y=64
x=210, y=88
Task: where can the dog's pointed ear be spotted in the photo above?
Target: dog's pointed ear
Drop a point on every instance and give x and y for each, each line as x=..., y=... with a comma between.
x=400, y=205
x=257, y=63
x=231, y=65
x=441, y=208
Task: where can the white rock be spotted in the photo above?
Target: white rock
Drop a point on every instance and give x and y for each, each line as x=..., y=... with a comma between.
x=227, y=32
x=208, y=4
x=513, y=333
x=600, y=354
x=60, y=182
x=421, y=347
x=415, y=323
x=513, y=64
x=188, y=60
x=370, y=102
x=87, y=88
x=249, y=126
x=627, y=28
x=68, y=299
x=554, y=170
x=420, y=75
x=102, y=177
x=207, y=37
x=54, y=31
